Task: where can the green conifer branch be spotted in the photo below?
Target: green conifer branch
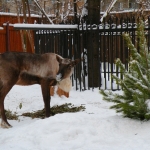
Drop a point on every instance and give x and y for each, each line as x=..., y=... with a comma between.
x=133, y=103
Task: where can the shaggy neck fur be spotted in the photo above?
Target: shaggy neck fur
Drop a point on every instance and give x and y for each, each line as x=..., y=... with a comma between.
x=65, y=84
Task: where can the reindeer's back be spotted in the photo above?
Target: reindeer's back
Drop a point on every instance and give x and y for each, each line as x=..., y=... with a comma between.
x=52, y=65
x=8, y=60
x=41, y=65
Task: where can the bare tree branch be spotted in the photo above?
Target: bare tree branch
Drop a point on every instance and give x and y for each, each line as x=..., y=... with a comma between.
x=43, y=11
x=21, y=32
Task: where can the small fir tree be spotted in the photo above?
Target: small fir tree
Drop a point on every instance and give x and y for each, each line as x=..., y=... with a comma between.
x=133, y=102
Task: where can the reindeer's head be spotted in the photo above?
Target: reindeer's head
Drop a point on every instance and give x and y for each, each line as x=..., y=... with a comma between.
x=66, y=67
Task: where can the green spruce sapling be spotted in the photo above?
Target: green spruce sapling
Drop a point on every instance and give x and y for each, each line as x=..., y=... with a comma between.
x=133, y=102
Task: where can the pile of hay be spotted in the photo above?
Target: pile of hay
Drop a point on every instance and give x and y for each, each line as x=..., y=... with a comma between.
x=68, y=107
x=10, y=115
x=65, y=108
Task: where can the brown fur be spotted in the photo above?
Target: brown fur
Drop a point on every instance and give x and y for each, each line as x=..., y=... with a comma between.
x=28, y=69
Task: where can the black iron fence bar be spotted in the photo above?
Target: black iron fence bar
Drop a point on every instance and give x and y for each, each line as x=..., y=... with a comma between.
x=75, y=56
x=111, y=56
x=91, y=53
x=99, y=65
x=79, y=56
x=83, y=56
x=87, y=58
x=104, y=58
x=36, y=40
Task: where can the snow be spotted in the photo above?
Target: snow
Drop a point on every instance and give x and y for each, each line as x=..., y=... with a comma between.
x=31, y=15
x=96, y=128
x=15, y=14
x=43, y=26
x=125, y=10
x=1, y=28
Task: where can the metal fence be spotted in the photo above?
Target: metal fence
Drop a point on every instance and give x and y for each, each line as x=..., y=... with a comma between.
x=64, y=42
x=74, y=43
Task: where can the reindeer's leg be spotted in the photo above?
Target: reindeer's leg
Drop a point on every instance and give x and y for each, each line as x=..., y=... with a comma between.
x=9, y=79
x=46, y=96
x=45, y=86
x=4, y=122
x=3, y=92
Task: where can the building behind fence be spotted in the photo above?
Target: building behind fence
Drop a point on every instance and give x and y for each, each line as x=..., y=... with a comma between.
x=73, y=43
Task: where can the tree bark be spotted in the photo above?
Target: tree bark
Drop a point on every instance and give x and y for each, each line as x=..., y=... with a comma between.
x=93, y=44
x=21, y=32
x=93, y=11
x=75, y=11
x=29, y=34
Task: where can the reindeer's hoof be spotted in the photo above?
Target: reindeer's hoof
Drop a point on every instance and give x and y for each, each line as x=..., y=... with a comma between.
x=5, y=125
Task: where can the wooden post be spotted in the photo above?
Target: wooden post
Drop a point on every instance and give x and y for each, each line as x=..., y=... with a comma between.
x=93, y=44
x=7, y=37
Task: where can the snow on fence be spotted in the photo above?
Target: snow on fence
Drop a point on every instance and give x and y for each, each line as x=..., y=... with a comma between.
x=44, y=26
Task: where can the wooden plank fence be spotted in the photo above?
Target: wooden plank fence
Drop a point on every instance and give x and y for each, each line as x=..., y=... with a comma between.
x=10, y=39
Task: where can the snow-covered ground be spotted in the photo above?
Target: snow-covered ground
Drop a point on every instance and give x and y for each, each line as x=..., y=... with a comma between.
x=96, y=128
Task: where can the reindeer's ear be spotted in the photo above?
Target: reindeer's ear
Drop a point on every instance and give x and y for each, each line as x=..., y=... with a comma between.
x=59, y=58
x=75, y=62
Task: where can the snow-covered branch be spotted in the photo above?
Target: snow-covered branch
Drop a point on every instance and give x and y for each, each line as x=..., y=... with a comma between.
x=108, y=9
x=43, y=11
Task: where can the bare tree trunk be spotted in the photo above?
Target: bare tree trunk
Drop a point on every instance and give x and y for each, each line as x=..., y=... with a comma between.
x=27, y=34
x=28, y=31
x=58, y=6
x=75, y=11
x=93, y=44
x=21, y=32
x=25, y=21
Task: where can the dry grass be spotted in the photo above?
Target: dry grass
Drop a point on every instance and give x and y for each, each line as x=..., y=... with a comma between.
x=65, y=108
x=10, y=115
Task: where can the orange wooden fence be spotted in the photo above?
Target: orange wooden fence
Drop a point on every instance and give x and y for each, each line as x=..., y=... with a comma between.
x=10, y=39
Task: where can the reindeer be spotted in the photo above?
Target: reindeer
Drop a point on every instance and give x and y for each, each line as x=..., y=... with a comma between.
x=18, y=68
